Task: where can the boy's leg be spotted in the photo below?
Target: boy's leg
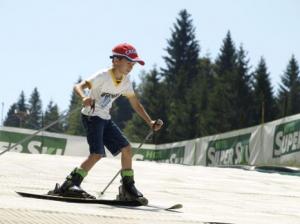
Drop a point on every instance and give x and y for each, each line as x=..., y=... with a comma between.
x=78, y=174
x=116, y=142
x=126, y=158
x=128, y=184
x=71, y=186
x=88, y=164
x=94, y=127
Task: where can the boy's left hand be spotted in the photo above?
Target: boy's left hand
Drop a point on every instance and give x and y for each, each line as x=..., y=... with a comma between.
x=157, y=124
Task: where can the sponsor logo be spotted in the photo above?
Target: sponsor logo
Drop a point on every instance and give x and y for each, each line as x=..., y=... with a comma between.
x=110, y=95
x=169, y=155
x=106, y=98
x=38, y=144
x=131, y=51
x=228, y=151
x=286, y=138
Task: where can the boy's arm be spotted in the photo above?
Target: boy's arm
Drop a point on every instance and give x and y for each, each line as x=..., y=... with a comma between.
x=138, y=107
x=79, y=89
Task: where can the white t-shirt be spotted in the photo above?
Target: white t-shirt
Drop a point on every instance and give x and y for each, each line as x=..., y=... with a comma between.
x=105, y=90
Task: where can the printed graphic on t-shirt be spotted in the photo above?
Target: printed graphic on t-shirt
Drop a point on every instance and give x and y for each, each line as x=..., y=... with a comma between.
x=106, y=98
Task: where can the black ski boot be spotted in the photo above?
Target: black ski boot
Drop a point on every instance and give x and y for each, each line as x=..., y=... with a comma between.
x=71, y=186
x=128, y=191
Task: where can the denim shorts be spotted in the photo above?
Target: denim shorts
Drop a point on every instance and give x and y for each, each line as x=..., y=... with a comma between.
x=102, y=133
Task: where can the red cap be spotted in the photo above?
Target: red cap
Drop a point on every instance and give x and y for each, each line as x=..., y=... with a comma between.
x=128, y=51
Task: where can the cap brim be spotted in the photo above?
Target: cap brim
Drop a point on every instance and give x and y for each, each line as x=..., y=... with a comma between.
x=138, y=60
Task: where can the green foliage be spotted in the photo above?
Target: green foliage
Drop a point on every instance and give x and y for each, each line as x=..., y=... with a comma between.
x=121, y=112
x=264, y=104
x=73, y=122
x=201, y=89
x=179, y=75
x=289, y=91
x=18, y=113
x=34, y=120
x=21, y=104
x=52, y=115
x=244, y=92
x=11, y=119
x=222, y=113
x=183, y=50
x=152, y=99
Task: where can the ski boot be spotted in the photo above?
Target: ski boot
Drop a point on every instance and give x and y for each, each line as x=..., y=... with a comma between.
x=128, y=191
x=71, y=186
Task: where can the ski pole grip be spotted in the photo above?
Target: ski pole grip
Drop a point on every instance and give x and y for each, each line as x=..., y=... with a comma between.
x=158, y=121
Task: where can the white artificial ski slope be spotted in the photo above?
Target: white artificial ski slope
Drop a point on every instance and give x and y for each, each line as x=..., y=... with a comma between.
x=207, y=194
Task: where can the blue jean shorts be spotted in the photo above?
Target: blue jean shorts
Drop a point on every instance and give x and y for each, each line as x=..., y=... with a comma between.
x=102, y=133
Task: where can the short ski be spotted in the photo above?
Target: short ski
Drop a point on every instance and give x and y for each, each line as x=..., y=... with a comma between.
x=173, y=207
x=80, y=200
x=94, y=201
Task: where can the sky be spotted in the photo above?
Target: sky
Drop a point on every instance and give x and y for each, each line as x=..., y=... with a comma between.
x=49, y=44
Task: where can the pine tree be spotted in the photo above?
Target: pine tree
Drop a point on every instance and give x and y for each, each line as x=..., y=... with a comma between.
x=227, y=59
x=289, y=91
x=200, y=92
x=35, y=116
x=11, y=119
x=264, y=101
x=21, y=104
x=183, y=50
x=74, y=125
x=244, y=93
x=52, y=115
x=121, y=112
x=218, y=115
x=151, y=95
x=21, y=111
x=222, y=111
x=179, y=75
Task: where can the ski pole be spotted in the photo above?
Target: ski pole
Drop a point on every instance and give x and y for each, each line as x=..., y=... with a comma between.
x=145, y=139
x=40, y=130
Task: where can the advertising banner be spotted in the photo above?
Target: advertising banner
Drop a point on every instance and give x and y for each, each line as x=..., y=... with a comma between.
x=275, y=143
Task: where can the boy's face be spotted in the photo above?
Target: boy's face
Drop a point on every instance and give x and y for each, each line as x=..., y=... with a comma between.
x=123, y=65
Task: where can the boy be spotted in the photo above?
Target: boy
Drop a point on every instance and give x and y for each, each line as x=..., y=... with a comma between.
x=106, y=86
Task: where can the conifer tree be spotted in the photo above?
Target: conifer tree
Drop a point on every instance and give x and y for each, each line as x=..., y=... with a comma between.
x=35, y=115
x=222, y=113
x=244, y=93
x=183, y=50
x=264, y=101
x=200, y=92
x=121, y=112
x=21, y=111
x=179, y=75
x=21, y=104
x=289, y=90
x=151, y=95
x=73, y=122
x=52, y=115
x=11, y=119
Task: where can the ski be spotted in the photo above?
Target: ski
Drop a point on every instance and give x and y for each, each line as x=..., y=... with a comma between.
x=95, y=201
x=79, y=200
x=170, y=208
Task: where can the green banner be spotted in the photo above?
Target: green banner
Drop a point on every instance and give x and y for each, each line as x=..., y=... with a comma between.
x=286, y=138
x=168, y=155
x=37, y=144
x=229, y=151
